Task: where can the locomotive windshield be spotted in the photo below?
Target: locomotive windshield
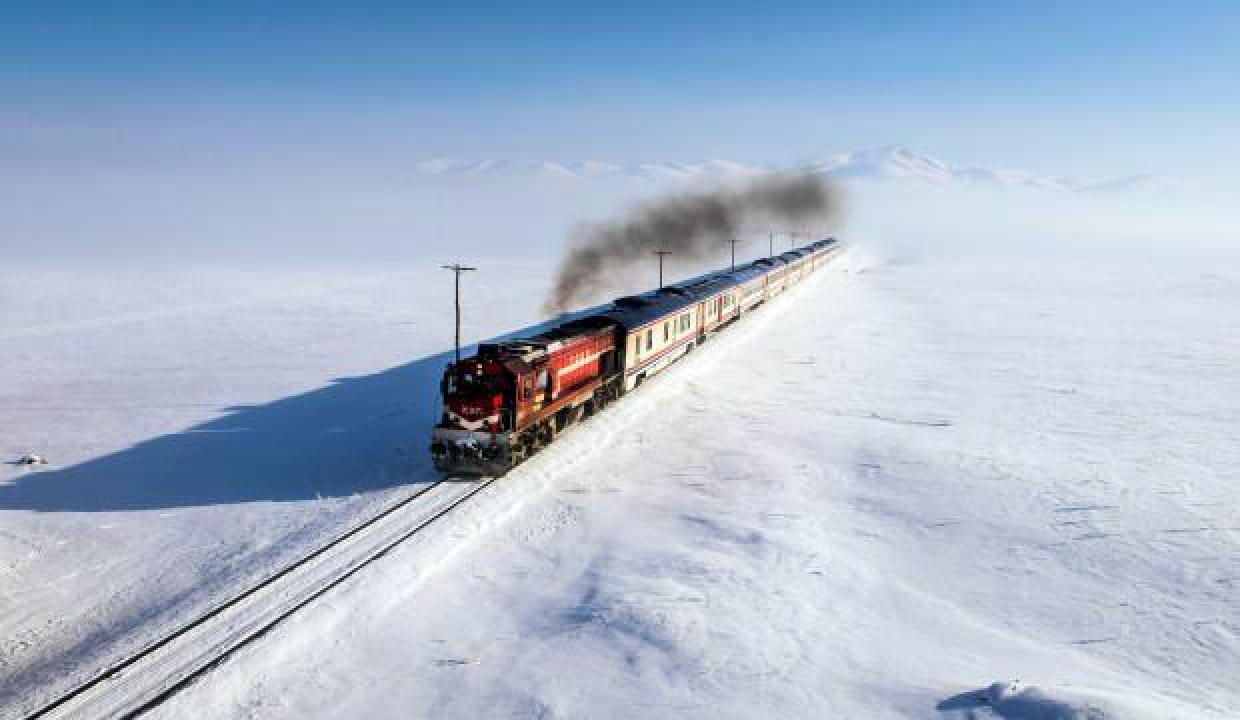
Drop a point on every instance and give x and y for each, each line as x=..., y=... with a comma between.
x=472, y=379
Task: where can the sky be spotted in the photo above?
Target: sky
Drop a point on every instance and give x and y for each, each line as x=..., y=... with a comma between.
x=98, y=95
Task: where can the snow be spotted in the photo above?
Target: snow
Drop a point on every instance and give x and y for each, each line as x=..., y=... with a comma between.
x=201, y=428
x=941, y=488
x=936, y=482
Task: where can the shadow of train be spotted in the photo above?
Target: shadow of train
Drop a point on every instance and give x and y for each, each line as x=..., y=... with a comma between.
x=355, y=435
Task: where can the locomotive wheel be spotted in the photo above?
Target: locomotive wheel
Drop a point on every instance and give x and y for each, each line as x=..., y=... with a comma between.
x=567, y=416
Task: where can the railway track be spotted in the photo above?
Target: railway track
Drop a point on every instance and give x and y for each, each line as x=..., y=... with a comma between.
x=147, y=678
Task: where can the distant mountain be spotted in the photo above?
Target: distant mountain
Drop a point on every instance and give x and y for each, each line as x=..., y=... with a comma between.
x=892, y=162
x=1144, y=184
x=897, y=163
x=586, y=169
x=886, y=164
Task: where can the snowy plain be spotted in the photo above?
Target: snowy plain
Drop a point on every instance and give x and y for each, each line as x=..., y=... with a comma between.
x=202, y=427
x=905, y=484
x=921, y=478
x=917, y=481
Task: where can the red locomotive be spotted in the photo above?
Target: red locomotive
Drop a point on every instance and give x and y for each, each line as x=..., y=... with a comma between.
x=513, y=397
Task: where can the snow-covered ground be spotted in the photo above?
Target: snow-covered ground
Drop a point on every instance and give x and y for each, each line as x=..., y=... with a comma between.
x=901, y=485
x=202, y=427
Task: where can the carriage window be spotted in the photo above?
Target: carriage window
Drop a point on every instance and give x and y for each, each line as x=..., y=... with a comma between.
x=667, y=331
x=543, y=380
x=649, y=339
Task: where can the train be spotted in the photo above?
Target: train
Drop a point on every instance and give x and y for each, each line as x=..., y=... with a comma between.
x=512, y=398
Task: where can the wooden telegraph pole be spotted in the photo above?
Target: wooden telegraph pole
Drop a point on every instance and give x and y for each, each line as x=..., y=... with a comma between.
x=733, y=241
x=457, y=269
x=661, y=254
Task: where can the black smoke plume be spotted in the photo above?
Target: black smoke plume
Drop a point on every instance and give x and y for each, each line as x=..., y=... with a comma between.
x=693, y=226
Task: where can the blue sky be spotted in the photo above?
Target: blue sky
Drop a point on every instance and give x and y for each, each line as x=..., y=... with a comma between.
x=1091, y=88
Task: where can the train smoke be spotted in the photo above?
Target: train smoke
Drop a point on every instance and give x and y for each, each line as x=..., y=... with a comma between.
x=693, y=226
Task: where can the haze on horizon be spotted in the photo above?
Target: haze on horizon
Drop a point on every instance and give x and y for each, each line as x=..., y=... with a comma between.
x=294, y=130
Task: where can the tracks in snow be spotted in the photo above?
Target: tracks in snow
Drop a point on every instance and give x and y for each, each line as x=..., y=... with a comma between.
x=152, y=675
x=147, y=678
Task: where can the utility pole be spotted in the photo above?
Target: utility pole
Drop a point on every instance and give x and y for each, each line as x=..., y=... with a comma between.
x=661, y=253
x=733, y=241
x=792, y=239
x=457, y=268
x=770, y=241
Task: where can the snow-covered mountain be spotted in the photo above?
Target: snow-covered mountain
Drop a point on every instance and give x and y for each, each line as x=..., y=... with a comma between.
x=895, y=162
x=891, y=162
x=887, y=164
x=585, y=169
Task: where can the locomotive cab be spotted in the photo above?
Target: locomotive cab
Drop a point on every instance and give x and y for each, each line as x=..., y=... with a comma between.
x=477, y=395
x=513, y=397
